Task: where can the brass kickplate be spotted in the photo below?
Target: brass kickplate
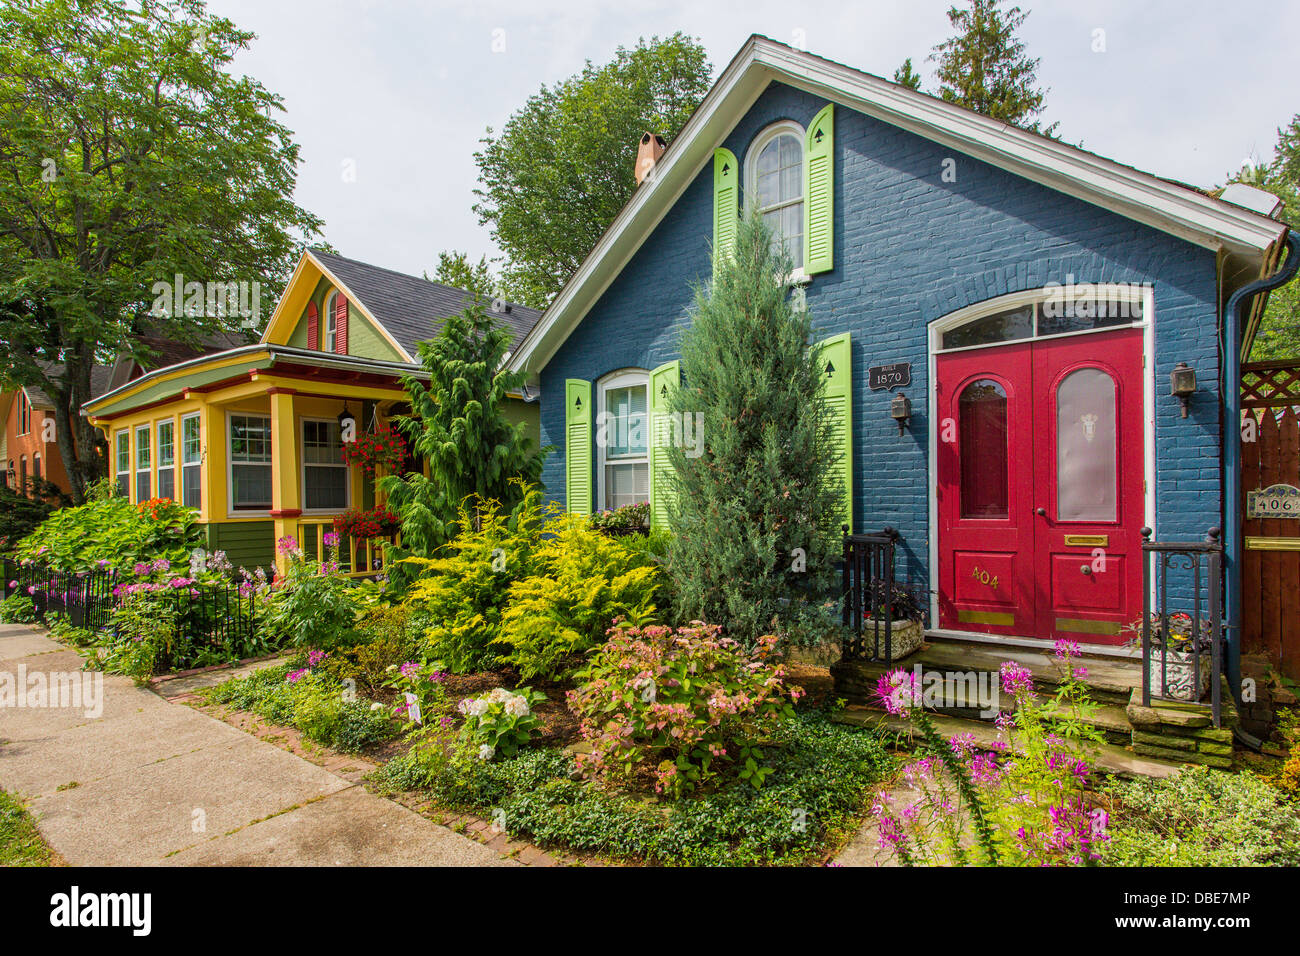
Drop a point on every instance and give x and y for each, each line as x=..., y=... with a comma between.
x=1087, y=540
x=1080, y=626
x=996, y=618
x=1272, y=544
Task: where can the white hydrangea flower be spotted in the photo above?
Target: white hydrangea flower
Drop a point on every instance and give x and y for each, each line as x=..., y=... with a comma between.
x=486, y=752
x=517, y=706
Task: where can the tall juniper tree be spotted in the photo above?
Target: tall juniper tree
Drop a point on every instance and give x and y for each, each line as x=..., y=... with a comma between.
x=460, y=427
x=755, y=514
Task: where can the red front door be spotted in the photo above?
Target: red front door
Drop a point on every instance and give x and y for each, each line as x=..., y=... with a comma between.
x=1040, y=487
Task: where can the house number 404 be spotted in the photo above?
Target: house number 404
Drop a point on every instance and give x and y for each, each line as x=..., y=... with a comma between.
x=983, y=577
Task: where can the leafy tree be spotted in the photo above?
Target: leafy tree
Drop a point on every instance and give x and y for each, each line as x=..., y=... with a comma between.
x=455, y=269
x=906, y=76
x=984, y=66
x=128, y=154
x=755, y=514
x=1279, y=328
x=562, y=167
x=459, y=426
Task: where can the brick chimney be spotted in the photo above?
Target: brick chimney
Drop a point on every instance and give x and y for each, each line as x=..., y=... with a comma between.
x=647, y=154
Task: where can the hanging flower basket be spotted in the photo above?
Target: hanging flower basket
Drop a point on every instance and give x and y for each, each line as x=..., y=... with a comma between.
x=362, y=525
x=381, y=448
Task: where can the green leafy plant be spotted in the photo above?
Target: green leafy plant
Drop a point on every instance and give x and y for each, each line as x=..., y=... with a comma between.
x=628, y=518
x=421, y=691
x=500, y=721
x=582, y=580
x=382, y=637
x=18, y=608
x=112, y=532
x=311, y=605
x=1199, y=818
x=142, y=636
x=676, y=707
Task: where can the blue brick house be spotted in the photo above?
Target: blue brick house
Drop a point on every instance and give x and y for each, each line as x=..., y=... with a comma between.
x=1030, y=301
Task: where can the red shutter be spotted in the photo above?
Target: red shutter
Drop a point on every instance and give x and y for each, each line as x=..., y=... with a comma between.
x=341, y=325
x=313, y=326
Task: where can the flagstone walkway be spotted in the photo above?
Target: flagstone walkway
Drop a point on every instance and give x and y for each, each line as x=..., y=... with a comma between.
x=147, y=782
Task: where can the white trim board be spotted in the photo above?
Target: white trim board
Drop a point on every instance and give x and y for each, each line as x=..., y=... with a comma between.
x=1171, y=208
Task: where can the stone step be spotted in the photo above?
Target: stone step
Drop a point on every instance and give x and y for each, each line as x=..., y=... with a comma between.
x=1111, y=759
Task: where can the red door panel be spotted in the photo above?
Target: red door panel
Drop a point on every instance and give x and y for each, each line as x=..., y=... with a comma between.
x=1088, y=477
x=984, y=489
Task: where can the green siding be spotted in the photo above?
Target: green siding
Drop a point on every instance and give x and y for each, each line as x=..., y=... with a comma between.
x=248, y=544
x=364, y=340
x=529, y=413
x=174, y=387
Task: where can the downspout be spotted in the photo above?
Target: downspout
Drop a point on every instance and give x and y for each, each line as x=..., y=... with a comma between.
x=1231, y=392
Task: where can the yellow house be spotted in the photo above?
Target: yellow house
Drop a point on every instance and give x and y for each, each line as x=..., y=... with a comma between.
x=251, y=436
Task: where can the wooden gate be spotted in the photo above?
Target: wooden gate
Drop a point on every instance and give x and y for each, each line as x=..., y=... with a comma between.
x=1270, y=458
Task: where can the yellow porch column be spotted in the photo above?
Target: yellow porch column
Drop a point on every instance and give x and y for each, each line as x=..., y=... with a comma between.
x=286, y=495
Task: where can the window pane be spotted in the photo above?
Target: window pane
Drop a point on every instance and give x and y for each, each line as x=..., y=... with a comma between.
x=167, y=483
x=1002, y=327
x=166, y=446
x=142, y=448
x=250, y=438
x=1056, y=318
x=191, y=449
x=250, y=486
x=123, y=452
x=625, y=421
x=325, y=488
x=769, y=158
x=191, y=485
x=791, y=154
x=322, y=443
x=142, y=486
x=124, y=485
x=626, y=484
x=1085, y=447
x=983, y=450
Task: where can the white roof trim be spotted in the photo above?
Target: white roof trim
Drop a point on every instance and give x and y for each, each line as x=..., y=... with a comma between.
x=1170, y=208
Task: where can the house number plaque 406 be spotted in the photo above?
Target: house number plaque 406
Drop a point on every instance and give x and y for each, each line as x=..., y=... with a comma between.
x=1275, y=501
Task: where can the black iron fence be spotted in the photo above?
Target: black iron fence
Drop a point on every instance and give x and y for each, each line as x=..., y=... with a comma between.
x=868, y=595
x=1182, y=634
x=209, y=619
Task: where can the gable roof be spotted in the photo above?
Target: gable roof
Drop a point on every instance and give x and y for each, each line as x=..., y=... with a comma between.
x=409, y=309
x=1168, y=206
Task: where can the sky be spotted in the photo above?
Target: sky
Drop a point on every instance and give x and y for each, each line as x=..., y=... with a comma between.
x=390, y=98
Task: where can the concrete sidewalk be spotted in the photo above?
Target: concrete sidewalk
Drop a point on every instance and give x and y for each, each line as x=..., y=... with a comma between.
x=153, y=783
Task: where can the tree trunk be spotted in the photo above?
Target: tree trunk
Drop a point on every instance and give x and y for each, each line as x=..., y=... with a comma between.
x=73, y=432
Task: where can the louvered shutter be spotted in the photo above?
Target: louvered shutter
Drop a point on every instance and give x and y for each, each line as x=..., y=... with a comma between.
x=577, y=446
x=819, y=193
x=313, y=326
x=726, y=205
x=835, y=357
x=663, y=382
x=341, y=325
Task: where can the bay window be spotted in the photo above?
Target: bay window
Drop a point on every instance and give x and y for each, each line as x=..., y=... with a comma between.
x=143, y=465
x=191, y=462
x=167, y=459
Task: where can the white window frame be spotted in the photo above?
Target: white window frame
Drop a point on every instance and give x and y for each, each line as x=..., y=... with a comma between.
x=157, y=455
x=329, y=337
x=117, y=463
x=257, y=510
x=761, y=142
x=623, y=378
x=192, y=416
x=148, y=468
x=302, y=477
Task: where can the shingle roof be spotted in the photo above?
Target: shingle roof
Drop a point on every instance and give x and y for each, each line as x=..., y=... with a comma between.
x=99, y=381
x=410, y=308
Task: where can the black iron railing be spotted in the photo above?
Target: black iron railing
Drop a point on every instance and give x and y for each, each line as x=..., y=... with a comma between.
x=868, y=595
x=1182, y=635
x=207, y=617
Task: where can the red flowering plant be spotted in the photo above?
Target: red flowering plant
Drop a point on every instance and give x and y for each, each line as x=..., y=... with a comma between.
x=360, y=524
x=680, y=706
x=382, y=447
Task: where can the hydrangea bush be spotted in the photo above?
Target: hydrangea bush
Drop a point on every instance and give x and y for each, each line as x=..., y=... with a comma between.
x=680, y=706
x=500, y=721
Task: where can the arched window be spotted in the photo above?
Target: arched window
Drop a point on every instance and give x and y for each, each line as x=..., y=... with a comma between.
x=330, y=335
x=774, y=180
x=623, y=438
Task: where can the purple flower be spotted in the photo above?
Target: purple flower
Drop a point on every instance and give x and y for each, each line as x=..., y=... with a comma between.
x=162, y=564
x=1016, y=679
x=330, y=539
x=898, y=692
x=294, y=676
x=315, y=657
x=31, y=589
x=141, y=568
x=13, y=584
x=409, y=668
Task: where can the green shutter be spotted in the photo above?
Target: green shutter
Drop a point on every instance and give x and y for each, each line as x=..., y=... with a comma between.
x=577, y=446
x=819, y=193
x=663, y=382
x=836, y=360
x=726, y=205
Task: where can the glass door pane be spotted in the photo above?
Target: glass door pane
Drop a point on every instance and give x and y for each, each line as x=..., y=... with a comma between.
x=983, y=417
x=1086, y=476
